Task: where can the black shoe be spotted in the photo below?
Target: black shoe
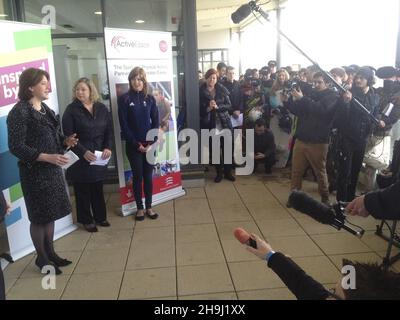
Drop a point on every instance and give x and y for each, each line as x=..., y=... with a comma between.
x=60, y=262
x=218, y=179
x=90, y=227
x=152, y=216
x=139, y=218
x=104, y=223
x=288, y=204
x=230, y=177
x=42, y=265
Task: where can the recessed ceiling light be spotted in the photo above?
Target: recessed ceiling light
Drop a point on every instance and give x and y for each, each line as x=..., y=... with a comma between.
x=98, y=13
x=140, y=21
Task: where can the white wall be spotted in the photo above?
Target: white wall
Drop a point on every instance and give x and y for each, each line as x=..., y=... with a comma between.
x=213, y=39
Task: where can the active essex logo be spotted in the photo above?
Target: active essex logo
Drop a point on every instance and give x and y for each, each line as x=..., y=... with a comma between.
x=118, y=42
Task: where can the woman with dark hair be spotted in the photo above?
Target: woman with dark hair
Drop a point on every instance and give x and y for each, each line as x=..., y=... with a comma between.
x=214, y=114
x=91, y=120
x=138, y=114
x=35, y=138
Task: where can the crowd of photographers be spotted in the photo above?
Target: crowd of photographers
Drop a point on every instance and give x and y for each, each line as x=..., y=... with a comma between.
x=329, y=132
x=332, y=129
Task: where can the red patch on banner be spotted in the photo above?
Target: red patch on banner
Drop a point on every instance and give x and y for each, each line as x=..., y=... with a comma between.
x=160, y=184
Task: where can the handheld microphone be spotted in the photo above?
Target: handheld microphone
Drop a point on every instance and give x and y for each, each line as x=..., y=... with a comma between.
x=320, y=212
x=244, y=237
x=243, y=12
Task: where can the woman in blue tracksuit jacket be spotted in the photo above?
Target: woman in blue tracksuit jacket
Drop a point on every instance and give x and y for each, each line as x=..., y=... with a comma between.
x=138, y=114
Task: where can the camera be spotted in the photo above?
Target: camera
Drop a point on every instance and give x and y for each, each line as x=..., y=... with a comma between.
x=290, y=86
x=254, y=82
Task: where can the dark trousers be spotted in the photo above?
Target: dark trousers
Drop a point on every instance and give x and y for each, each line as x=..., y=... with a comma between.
x=350, y=156
x=90, y=196
x=222, y=167
x=142, y=172
x=2, y=286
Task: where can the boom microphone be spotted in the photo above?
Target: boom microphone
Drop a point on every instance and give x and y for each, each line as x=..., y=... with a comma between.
x=242, y=13
x=320, y=212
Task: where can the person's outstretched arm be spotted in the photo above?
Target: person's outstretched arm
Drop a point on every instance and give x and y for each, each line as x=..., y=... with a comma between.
x=298, y=282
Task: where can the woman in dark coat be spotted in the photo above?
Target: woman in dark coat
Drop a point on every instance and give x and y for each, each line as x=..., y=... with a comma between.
x=214, y=114
x=91, y=121
x=138, y=114
x=35, y=138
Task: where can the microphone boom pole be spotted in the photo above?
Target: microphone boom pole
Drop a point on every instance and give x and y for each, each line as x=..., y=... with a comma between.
x=257, y=8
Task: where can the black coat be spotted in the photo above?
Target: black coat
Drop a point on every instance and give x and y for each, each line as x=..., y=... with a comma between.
x=208, y=118
x=385, y=203
x=354, y=124
x=234, y=93
x=315, y=116
x=31, y=133
x=94, y=133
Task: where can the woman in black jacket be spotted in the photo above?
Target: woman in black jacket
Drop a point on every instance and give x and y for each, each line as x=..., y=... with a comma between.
x=91, y=120
x=35, y=138
x=214, y=114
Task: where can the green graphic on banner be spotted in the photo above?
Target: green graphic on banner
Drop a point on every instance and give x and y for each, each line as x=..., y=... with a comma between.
x=33, y=39
x=16, y=192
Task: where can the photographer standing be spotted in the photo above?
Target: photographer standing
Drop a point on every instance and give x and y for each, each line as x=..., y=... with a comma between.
x=315, y=117
x=354, y=128
x=233, y=87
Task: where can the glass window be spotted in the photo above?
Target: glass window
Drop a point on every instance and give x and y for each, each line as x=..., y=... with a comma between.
x=5, y=10
x=158, y=15
x=73, y=16
x=217, y=56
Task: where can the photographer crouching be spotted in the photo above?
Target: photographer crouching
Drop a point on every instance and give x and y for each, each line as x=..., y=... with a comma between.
x=315, y=118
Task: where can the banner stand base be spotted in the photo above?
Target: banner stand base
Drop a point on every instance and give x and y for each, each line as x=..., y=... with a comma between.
x=131, y=209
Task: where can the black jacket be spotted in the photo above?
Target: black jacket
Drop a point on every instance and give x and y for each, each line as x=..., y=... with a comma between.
x=265, y=143
x=315, y=115
x=94, y=133
x=354, y=124
x=234, y=93
x=298, y=282
x=384, y=204
x=207, y=117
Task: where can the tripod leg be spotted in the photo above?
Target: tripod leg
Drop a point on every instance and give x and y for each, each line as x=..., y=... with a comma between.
x=392, y=230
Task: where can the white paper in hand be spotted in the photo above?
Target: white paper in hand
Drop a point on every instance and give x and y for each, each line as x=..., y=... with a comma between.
x=72, y=158
x=99, y=161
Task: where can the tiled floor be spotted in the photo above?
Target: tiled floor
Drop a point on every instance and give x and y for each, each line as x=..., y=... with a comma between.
x=190, y=251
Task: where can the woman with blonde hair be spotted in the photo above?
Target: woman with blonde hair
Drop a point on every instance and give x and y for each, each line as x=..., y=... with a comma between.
x=138, y=114
x=282, y=77
x=91, y=120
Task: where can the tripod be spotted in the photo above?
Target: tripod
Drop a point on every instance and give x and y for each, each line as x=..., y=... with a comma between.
x=393, y=240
